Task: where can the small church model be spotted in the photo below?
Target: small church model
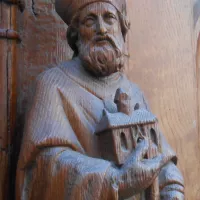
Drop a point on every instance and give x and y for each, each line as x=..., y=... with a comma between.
x=120, y=132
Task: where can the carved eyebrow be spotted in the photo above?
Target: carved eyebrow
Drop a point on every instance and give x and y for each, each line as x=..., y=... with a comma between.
x=90, y=15
x=94, y=15
x=111, y=13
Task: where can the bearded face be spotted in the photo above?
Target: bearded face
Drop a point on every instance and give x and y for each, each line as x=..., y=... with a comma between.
x=100, y=44
x=102, y=56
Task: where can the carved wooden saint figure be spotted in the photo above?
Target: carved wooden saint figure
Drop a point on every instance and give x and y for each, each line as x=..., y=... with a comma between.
x=86, y=139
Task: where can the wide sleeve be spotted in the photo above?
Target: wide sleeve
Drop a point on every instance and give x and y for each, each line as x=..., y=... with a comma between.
x=61, y=173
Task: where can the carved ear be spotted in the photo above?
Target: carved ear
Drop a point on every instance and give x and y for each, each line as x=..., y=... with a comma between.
x=72, y=38
x=125, y=25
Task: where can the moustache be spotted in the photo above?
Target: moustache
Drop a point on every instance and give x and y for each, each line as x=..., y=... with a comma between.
x=109, y=39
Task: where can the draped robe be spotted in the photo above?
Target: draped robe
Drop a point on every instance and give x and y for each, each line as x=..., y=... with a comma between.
x=59, y=156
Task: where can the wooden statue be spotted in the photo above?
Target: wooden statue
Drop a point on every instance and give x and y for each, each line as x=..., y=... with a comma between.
x=89, y=134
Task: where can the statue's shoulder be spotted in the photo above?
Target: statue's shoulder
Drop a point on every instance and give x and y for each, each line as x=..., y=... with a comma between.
x=138, y=95
x=135, y=89
x=56, y=74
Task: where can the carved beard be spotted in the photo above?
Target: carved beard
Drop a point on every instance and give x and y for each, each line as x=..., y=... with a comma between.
x=102, y=56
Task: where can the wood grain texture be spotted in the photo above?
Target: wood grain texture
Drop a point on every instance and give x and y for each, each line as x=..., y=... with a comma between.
x=8, y=65
x=196, y=42
x=4, y=49
x=3, y=73
x=43, y=45
x=198, y=84
x=163, y=64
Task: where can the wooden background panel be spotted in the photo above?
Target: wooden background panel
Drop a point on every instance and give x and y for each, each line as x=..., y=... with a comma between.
x=163, y=64
x=43, y=45
x=4, y=48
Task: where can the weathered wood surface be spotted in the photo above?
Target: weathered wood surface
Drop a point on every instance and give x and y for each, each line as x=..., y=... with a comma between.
x=9, y=39
x=197, y=51
x=161, y=44
x=44, y=43
x=4, y=63
x=4, y=22
x=162, y=47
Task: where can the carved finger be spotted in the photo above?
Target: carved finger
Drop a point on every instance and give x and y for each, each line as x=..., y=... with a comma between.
x=155, y=164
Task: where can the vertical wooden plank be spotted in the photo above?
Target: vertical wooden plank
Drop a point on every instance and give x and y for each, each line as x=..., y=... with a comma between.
x=4, y=47
x=162, y=63
x=3, y=113
x=12, y=74
x=4, y=22
x=8, y=48
x=12, y=99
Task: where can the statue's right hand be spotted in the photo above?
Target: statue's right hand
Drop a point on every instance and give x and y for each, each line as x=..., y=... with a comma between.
x=138, y=173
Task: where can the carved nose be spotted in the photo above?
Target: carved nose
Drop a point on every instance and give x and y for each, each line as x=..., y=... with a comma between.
x=101, y=29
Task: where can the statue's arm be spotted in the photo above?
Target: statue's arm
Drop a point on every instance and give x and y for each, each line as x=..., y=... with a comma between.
x=170, y=178
x=61, y=173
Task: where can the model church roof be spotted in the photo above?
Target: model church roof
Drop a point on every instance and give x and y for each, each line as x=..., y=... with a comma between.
x=120, y=120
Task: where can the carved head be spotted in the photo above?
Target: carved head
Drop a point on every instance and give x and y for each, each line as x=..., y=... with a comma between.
x=97, y=33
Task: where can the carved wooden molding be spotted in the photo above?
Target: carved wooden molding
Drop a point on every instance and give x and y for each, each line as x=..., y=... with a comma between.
x=9, y=34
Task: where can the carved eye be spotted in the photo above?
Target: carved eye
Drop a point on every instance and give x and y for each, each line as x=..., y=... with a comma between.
x=110, y=18
x=89, y=21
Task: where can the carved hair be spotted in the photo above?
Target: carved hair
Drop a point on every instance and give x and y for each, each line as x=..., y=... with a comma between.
x=72, y=32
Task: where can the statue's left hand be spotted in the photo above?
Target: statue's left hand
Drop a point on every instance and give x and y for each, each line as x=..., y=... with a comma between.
x=138, y=173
